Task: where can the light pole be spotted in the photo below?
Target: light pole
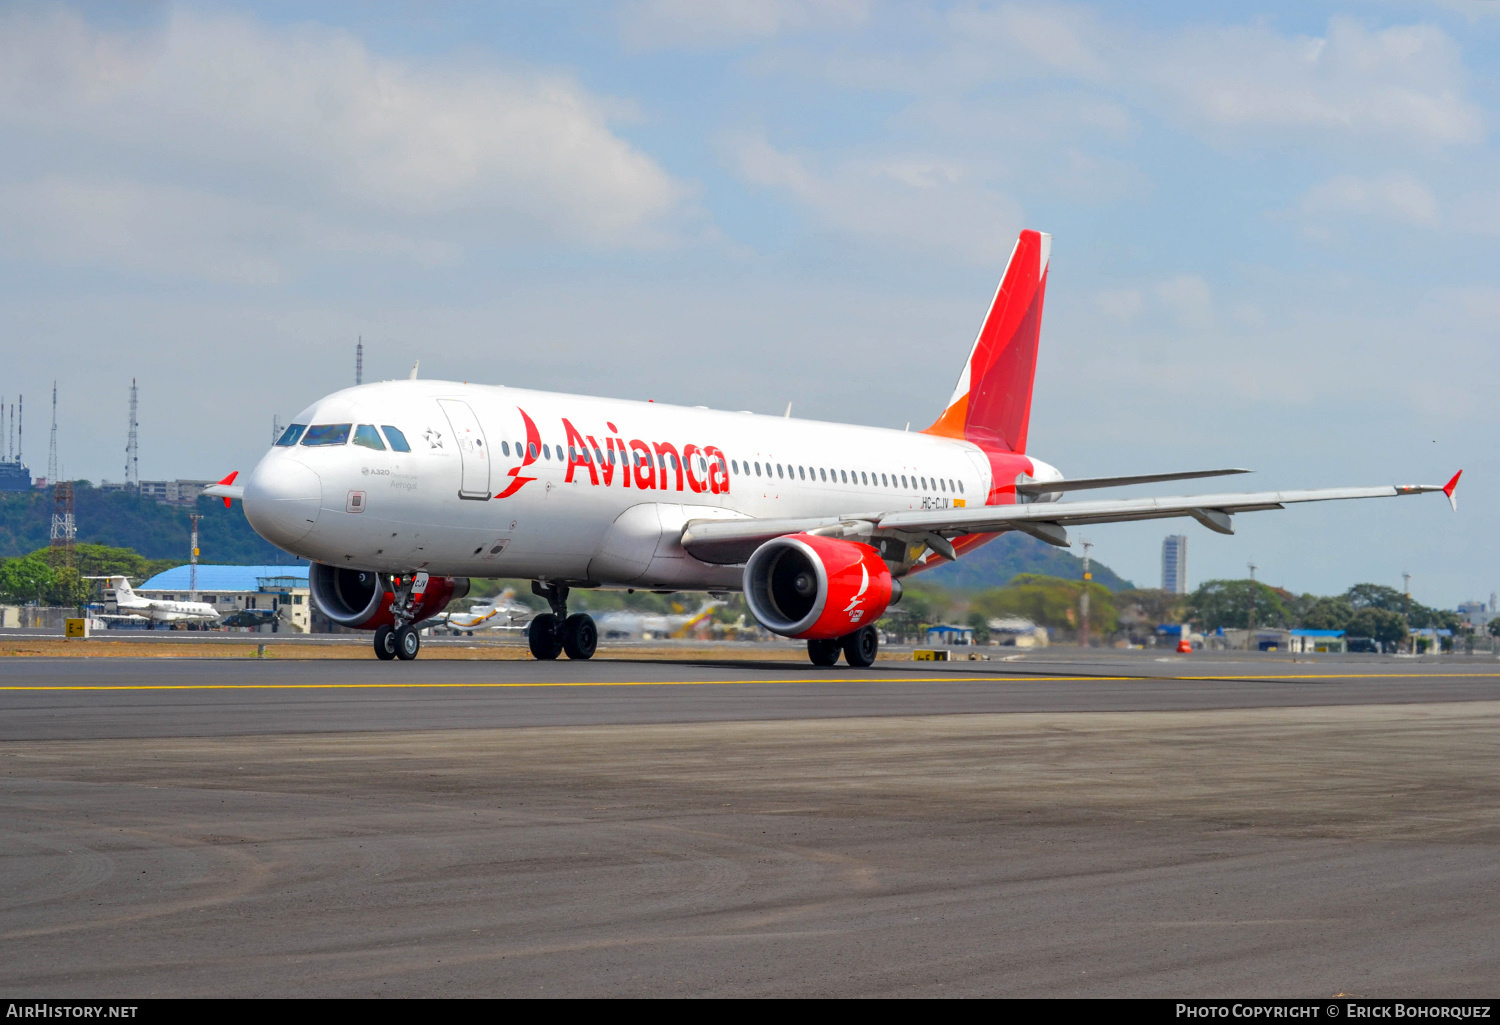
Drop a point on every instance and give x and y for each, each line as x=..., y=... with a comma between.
x=1250, y=627
x=1083, y=599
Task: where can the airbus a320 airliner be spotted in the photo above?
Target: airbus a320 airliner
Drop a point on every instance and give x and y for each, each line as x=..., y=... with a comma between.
x=398, y=492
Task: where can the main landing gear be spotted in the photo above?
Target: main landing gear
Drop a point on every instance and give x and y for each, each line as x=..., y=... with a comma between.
x=400, y=640
x=555, y=633
x=858, y=648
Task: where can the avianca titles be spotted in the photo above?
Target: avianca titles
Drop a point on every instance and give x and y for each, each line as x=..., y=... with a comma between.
x=399, y=492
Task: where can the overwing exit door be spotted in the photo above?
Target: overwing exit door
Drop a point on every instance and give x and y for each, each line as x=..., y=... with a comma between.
x=473, y=453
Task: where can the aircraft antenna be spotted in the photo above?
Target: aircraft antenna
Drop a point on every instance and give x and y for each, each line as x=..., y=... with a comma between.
x=52, y=444
x=359, y=361
x=132, y=449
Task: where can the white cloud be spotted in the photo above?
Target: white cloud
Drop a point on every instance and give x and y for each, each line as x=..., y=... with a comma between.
x=1403, y=82
x=696, y=24
x=1394, y=197
x=167, y=231
x=925, y=203
x=1120, y=303
x=1189, y=300
x=1045, y=39
x=211, y=118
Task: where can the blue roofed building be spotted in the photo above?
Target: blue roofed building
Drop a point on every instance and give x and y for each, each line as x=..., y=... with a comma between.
x=281, y=591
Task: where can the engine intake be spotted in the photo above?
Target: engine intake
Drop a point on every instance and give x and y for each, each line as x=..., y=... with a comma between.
x=803, y=585
x=362, y=599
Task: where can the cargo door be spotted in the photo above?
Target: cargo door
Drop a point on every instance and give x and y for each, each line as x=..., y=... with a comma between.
x=473, y=453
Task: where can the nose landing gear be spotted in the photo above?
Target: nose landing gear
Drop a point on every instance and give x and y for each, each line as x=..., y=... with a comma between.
x=555, y=633
x=400, y=640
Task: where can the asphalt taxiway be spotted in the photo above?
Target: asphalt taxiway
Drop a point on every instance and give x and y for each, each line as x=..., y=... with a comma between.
x=1071, y=824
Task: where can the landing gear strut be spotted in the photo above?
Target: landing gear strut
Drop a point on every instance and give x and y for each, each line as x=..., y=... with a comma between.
x=859, y=648
x=555, y=633
x=401, y=640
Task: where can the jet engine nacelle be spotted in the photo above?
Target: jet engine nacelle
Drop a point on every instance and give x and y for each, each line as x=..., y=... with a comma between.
x=362, y=599
x=820, y=588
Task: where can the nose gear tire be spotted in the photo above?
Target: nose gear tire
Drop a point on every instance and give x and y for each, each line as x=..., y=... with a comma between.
x=824, y=653
x=542, y=636
x=861, y=646
x=408, y=643
x=579, y=636
x=385, y=643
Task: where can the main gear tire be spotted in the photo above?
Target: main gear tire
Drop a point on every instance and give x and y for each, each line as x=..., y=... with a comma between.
x=542, y=637
x=408, y=643
x=824, y=653
x=580, y=636
x=861, y=647
x=385, y=643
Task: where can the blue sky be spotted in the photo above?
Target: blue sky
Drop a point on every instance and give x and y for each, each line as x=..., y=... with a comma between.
x=1276, y=231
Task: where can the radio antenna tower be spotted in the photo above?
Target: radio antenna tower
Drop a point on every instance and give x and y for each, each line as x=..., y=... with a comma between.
x=52, y=444
x=359, y=361
x=275, y=428
x=132, y=449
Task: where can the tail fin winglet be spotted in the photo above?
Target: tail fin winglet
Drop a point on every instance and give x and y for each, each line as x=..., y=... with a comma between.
x=992, y=402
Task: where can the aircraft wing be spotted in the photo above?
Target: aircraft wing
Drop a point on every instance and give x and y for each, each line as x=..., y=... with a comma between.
x=732, y=541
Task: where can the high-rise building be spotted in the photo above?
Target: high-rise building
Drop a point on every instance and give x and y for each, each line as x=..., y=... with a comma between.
x=1174, y=564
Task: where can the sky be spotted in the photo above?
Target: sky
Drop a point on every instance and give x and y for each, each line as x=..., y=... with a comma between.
x=1276, y=233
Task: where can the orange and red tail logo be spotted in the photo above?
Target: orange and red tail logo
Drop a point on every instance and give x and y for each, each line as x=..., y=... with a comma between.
x=991, y=406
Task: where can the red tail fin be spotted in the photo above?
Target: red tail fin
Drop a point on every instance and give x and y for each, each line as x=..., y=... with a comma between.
x=992, y=403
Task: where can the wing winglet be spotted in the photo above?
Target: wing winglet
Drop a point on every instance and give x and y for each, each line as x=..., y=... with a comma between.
x=226, y=489
x=1451, y=487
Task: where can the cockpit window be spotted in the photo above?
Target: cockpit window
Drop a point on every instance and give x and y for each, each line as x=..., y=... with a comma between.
x=327, y=434
x=290, y=435
x=396, y=438
x=369, y=437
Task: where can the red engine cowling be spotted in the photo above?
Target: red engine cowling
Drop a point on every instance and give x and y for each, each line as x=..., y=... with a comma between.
x=362, y=599
x=820, y=588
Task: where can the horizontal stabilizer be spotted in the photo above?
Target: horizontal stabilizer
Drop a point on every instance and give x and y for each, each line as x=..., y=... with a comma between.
x=1084, y=483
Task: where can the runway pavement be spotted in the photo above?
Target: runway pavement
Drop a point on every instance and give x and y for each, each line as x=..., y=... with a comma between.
x=1067, y=824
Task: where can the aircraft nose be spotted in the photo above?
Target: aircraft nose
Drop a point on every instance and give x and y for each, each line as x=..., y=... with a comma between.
x=282, y=498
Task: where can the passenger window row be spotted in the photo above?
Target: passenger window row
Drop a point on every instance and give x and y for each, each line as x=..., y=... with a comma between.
x=322, y=435
x=862, y=478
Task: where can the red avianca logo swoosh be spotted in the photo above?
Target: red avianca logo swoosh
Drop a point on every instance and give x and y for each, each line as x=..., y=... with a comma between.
x=533, y=447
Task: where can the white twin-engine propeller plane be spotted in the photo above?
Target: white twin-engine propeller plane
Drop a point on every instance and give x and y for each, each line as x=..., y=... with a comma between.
x=398, y=492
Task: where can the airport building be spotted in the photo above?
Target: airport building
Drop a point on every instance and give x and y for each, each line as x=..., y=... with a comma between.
x=1174, y=564
x=281, y=591
x=1477, y=614
x=167, y=492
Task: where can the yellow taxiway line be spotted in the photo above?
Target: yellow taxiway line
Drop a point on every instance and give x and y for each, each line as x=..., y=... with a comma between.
x=729, y=683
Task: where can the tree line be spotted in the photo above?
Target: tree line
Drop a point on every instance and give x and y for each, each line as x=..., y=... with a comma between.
x=1365, y=610
x=47, y=577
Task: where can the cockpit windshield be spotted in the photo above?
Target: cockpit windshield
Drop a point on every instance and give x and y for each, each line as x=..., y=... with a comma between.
x=396, y=438
x=327, y=434
x=290, y=436
x=366, y=435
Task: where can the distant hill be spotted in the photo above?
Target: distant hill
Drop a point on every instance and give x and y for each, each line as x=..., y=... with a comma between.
x=993, y=565
x=129, y=521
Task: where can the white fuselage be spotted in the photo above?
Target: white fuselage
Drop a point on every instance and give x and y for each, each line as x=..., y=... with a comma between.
x=161, y=611
x=439, y=506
